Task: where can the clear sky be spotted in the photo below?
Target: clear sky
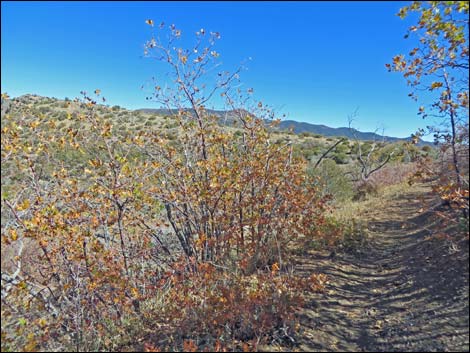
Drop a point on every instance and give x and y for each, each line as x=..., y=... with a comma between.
x=314, y=61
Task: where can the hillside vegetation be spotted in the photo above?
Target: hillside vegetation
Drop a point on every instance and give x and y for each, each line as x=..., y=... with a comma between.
x=78, y=190
x=195, y=231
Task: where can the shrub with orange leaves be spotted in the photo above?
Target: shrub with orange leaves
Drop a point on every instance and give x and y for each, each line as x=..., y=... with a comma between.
x=220, y=311
x=235, y=198
x=94, y=202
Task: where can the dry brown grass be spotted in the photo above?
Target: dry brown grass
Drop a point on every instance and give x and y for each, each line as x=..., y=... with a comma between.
x=360, y=210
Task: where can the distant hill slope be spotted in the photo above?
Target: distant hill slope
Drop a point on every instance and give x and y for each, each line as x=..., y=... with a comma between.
x=226, y=117
x=299, y=127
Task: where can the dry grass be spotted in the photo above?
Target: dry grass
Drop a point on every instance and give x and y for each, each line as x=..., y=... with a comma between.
x=359, y=210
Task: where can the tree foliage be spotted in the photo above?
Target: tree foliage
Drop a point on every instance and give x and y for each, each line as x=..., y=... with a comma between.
x=439, y=64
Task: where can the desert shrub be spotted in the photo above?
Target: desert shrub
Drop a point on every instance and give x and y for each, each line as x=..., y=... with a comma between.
x=316, y=150
x=305, y=134
x=61, y=125
x=333, y=180
x=426, y=148
x=340, y=157
x=62, y=116
x=308, y=149
x=171, y=136
x=227, y=208
x=238, y=134
x=343, y=147
x=72, y=209
x=44, y=110
x=410, y=152
x=340, y=236
x=200, y=228
x=364, y=189
x=170, y=125
x=440, y=171
x=243, y=310
x=300, y=152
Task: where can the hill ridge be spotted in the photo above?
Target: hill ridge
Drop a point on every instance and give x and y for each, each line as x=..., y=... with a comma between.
x=297, y=127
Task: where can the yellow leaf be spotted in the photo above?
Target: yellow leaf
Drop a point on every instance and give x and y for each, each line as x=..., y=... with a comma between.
x=436, y=85
x=13, y=234
x=23, y=206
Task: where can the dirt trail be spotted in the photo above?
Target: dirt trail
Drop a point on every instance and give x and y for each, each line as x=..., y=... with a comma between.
x=404, y=292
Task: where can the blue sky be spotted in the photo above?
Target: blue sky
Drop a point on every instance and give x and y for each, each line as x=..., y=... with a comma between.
x=314, y=61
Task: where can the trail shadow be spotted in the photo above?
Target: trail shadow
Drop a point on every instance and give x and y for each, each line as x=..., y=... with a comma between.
x=407, y=293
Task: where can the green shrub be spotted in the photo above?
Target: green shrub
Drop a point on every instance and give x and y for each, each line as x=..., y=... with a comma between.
x=305, y=134
x=44, y=110
x=62, y=116
x=333, y=180
x=426, y=148
x=340, y=158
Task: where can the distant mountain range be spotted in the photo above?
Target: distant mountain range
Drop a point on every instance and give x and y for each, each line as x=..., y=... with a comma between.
x=299, y=127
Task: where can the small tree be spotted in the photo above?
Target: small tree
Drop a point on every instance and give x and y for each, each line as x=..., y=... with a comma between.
x=367, y=154
x=439, y=64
